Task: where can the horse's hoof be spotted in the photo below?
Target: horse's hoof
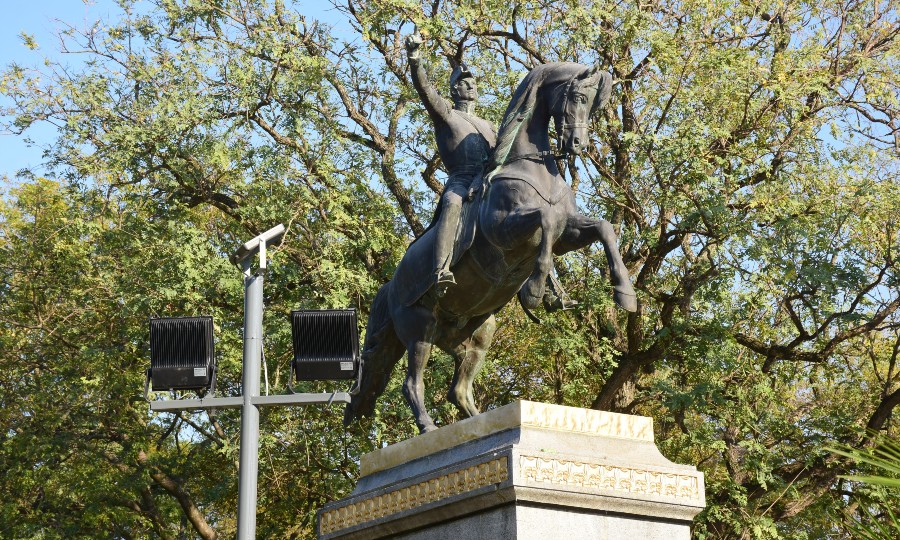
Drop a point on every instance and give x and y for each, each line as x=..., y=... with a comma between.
x=529, y=301
x=626, y=301
x=531, y=297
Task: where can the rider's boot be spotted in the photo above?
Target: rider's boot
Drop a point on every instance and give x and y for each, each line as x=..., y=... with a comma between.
x=445, y=236
x=555, y=297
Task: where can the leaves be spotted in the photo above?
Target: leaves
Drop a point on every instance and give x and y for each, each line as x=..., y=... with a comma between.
x=748, y=162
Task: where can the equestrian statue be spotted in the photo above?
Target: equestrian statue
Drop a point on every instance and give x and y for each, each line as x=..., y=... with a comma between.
x=504, y=213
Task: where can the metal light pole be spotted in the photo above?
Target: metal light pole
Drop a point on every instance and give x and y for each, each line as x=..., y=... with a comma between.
x=250, y=401
x=249, y=465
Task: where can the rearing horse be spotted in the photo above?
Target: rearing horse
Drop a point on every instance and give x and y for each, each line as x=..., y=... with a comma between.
x=527, y=214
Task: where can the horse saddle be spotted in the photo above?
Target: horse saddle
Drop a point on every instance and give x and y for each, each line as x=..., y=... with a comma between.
x=415, y=285
x=468, y=221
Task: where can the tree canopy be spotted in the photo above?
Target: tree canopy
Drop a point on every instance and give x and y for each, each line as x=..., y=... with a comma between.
x=749, y=162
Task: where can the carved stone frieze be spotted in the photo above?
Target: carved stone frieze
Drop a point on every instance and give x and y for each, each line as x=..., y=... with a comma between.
x=414, y=496
x=637, y=481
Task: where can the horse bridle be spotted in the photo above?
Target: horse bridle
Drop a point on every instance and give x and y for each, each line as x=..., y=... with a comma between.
x=565, y=98
x=562, y=129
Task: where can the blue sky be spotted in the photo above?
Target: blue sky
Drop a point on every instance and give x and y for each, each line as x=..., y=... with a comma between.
x=41, y=19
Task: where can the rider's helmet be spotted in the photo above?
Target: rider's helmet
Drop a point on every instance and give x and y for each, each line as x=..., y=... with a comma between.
x=461, y=71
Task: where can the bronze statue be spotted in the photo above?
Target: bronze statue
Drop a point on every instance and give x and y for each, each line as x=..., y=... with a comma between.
x=526, y=214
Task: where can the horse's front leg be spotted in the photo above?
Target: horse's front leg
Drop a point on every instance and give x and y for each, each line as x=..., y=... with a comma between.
x=469, y=353
x=517, y=231
x=582, y=231
x=510, y=230
x=532, y=292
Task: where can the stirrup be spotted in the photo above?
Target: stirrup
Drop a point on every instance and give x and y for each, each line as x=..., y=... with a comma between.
x=555, y=297
x=557, y=303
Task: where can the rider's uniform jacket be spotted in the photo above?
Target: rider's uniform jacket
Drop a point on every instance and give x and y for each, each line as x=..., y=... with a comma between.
x=464, y=141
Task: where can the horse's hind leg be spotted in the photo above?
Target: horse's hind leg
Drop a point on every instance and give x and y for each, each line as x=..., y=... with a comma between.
x=415, y=327
x=583, y=231
x=469, y=356
x=414, y=386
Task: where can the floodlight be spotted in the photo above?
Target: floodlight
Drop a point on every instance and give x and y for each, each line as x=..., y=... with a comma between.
x=182, y=354
x=326, y=344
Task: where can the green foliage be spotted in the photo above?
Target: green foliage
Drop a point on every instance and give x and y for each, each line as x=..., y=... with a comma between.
x=748, y=162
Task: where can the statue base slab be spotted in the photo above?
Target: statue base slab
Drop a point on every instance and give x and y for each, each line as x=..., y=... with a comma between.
x=524, y=471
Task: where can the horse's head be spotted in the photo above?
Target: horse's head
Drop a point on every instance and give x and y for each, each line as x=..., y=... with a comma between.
x=564, y=91
x=574, y=104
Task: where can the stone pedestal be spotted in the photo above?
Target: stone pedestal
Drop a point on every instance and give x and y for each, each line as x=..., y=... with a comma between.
x=523, y=471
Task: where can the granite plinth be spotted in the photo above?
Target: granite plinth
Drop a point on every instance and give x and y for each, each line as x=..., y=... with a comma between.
x=526, y=470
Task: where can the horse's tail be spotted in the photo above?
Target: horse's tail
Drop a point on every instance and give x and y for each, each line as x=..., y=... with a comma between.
x=381, y=351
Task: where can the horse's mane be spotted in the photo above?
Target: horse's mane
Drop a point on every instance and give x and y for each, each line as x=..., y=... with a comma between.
x=522, y=105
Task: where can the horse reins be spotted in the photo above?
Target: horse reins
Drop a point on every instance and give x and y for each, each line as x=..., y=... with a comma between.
x=537, y=155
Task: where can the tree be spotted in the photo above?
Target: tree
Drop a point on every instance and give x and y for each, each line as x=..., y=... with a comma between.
x=749, y=163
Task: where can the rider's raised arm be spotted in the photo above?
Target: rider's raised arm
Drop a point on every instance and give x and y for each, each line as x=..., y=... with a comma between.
x=438, y=108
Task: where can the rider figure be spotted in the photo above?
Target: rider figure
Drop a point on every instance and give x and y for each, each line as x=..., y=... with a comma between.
x=464, y=143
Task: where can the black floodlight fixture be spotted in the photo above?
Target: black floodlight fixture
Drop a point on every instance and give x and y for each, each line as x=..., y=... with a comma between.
x=258, y=244
x=182, y=354
x=326, y=344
